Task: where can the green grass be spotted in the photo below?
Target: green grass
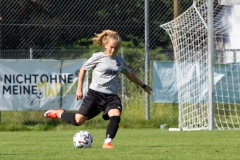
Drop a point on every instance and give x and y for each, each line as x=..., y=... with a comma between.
x=130, y=144
x=133, y=116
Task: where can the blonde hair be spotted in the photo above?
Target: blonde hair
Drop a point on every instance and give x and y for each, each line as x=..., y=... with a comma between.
x=103, y=38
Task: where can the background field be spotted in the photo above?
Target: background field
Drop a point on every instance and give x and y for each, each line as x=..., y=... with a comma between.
x=129, y=144
x=133, y=116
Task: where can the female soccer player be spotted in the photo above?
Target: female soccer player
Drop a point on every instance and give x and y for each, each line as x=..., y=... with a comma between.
x=102, y=95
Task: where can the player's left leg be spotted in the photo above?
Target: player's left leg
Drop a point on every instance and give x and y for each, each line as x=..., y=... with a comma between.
x=114, y=115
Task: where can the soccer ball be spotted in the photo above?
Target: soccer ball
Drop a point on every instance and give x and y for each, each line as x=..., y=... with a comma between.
x=82, y=139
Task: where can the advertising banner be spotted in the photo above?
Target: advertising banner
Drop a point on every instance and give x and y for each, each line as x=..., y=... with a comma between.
x=40, y=84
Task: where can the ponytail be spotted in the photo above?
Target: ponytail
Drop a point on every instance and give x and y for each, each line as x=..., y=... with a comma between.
x=103, y=38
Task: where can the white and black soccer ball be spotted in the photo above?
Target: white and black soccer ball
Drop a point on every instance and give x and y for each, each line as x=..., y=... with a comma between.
x=83, y=139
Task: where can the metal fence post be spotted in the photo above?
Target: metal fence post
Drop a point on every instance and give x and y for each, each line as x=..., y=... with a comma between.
x=147, y=56
x=31, y=53
x=123, y=96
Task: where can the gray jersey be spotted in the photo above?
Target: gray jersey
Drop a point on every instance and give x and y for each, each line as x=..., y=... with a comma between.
x=105, y=72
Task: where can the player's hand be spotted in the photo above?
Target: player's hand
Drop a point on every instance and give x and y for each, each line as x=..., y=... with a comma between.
x=148, y=89
x=79, y=94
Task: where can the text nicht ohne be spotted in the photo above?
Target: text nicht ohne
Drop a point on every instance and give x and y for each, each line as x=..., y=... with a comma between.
x=52, y=85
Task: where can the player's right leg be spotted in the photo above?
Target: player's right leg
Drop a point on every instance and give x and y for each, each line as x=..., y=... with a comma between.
x=87, y=111
x=54, y=113
x=72, y=118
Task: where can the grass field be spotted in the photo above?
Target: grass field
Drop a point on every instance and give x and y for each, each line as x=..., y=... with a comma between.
x=130, y=144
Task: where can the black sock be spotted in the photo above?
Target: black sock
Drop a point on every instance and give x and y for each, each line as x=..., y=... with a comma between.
x=113, y=126
x=70, y=118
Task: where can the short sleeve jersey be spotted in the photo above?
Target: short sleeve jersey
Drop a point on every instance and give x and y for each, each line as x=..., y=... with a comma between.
x=105, y=72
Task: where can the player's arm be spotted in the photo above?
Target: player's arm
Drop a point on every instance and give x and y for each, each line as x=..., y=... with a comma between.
x=132, y=77
x=79, y=92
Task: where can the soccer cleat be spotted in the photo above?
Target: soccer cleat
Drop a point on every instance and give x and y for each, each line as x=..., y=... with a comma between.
x=107, y=145
x=53, y=113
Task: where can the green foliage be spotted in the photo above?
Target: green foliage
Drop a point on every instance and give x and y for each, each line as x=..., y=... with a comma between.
x=106, y=14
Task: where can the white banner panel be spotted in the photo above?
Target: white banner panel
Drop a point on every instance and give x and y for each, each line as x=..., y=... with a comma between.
x=164, y=82
x=229, y=2
x=165, y=86
x=40, y=84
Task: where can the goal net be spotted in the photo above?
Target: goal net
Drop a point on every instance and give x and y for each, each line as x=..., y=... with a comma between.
x=189, y=36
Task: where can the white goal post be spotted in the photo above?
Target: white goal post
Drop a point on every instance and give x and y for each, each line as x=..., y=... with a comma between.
x=191, y=36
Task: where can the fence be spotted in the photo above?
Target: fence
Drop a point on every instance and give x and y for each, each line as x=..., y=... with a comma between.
x=57, y=29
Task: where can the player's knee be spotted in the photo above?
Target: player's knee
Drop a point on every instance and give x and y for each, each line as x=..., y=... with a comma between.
x=114, y=112
x=80, y=119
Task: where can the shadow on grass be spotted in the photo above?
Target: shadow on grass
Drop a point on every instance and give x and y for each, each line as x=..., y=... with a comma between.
x=50, y=122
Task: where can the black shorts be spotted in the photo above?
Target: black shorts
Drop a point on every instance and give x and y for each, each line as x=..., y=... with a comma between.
x=96, y=102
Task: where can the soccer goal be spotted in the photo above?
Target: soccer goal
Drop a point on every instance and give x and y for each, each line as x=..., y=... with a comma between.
x=189, y=36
